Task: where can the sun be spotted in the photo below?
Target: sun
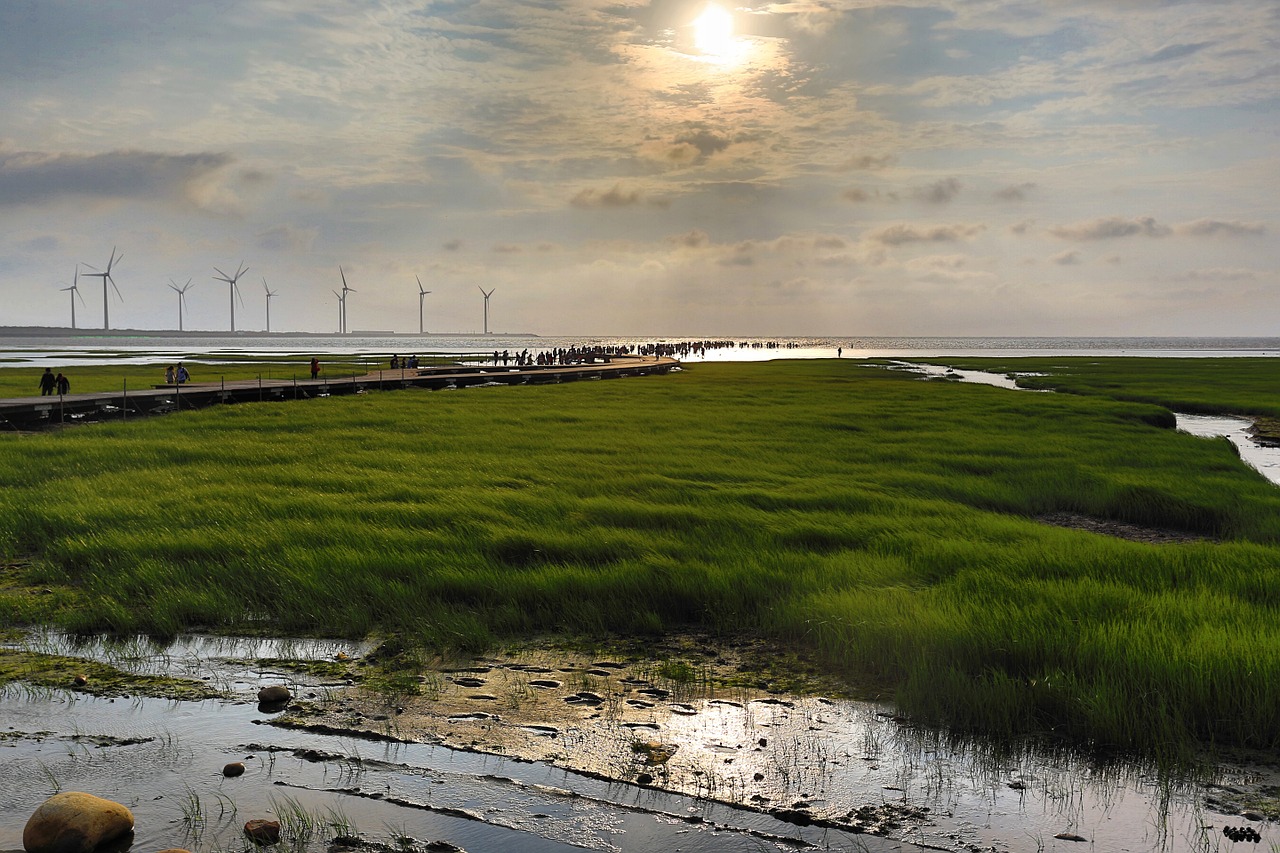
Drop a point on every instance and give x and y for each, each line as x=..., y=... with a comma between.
x=713, y=31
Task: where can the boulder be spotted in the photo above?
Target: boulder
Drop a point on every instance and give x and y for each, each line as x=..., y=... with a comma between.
x=235, y=768
x=75, y=822
x=262, y=831
x=273, y=694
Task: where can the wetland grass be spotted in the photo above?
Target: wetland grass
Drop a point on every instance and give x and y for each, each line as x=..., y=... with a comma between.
x=882, y=523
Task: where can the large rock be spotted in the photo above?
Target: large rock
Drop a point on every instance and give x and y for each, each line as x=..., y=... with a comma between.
x=74, y=822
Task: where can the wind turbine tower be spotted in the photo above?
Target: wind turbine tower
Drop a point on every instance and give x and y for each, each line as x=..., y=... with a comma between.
x=342, y=301
x=270, y=293
x=421, y=295
x=75, y=292
x=486, y=306
x=182, y=298
x=106, y=277
x=232, y=288
x=341, y=308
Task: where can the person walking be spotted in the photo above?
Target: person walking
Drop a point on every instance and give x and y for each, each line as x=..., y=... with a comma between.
x=168, y=375
x=182, y=376
x=63, y=384
x=315, y=367
x=47, y=382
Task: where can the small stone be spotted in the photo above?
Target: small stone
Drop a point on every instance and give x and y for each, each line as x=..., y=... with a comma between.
x=235, y=768
x=263, y=832
x=80, y=680
x=645, y=779
x=759, y=777
x=1070, y=836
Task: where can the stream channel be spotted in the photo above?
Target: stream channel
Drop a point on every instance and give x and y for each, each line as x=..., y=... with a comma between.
x=530, y=769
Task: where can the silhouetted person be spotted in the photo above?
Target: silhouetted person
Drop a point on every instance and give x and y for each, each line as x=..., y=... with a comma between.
x=63, y=385
x=47, y=382
x=315, y=367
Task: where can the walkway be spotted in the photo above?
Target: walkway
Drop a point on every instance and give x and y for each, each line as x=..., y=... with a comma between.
x=36, y=412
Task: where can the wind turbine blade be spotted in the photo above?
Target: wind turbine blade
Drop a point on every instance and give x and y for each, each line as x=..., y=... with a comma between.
x=76, y=281
x=221, y=276
x=76, y=291
x=113, y=287
x=420, y=290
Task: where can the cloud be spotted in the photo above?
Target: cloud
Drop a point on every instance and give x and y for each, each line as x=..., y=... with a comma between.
x=1111, y=227
x=285, y=238
x=1218, y=274
x=939, y=192
x=1017, y=192
x=693, y=239
x=1021, y=227
x=1069, y=258
x=1175, y=51
x=614, y=197
x=1214, y=227
x=869, y=162
x=452, y=245
x=898, y=235
x=35, y=177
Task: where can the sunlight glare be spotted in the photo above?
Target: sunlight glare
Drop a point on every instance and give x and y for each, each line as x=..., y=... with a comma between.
x=713, y=31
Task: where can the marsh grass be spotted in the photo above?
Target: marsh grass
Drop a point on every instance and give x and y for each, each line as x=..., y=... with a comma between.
x=883, y=523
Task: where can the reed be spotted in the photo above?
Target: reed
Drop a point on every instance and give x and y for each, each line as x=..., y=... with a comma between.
x=882, y=523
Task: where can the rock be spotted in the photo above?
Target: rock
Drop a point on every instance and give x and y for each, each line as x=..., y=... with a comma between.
x=234, y=769
x=273, y=694
x=75, y=822
x=80, y=680
x=644, y=779
x=262, y=831
x=1070, y=836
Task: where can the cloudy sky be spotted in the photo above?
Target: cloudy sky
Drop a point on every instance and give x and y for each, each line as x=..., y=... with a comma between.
x=820, y=167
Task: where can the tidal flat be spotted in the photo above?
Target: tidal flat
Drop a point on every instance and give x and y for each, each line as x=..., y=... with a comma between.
x=884, y=527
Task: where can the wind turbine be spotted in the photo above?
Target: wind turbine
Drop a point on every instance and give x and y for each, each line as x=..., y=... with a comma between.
x=270, y=293
x=342, y=307
x=182, y=298
x=486, y=306
x=232, y=288
x=106, y=277
x=421, y=295
x=343, y=300
x=75, y=292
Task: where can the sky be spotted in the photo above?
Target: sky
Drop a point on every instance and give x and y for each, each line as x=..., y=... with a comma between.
x=672, y=167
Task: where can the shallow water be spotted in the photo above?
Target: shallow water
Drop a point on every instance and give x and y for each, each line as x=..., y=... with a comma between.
x=736, y=759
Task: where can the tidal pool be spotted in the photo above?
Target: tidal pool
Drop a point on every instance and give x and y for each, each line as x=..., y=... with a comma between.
x=517, y=762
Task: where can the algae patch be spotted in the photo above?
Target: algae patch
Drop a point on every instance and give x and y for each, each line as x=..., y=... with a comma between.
x=58, y=672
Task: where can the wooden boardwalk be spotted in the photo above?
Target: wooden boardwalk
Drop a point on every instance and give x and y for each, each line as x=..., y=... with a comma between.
x=25, y=413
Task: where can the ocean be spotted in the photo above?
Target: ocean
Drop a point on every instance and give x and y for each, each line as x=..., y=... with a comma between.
x=88, y=347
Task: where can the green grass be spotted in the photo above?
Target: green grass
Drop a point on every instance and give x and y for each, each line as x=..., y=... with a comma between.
x=112, y=377
x=883, y=523
x=1241, y=386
